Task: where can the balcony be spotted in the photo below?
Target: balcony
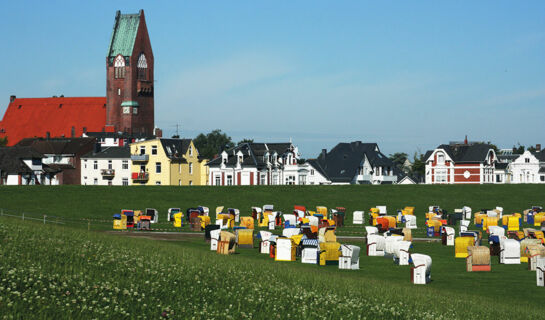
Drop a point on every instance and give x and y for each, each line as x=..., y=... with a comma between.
x=107, y=173
x=140, y=176
x=139, y=157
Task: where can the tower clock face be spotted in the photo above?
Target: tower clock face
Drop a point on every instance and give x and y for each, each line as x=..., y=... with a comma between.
x=126, y=110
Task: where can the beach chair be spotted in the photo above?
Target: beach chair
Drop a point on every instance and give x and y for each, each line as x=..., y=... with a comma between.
x=285, y=250
x=535, y=251
x=350, y=257
x=375, y=245
x=214, y=239
x=381, y=210
x=497, y=234
x=401, y=252
x=410, y=221
x=289, y=232
x=195, y=224
x=329, y=253
x=389, y=244
x=309, y=254
x=120, y=222
x=447, y=238
x=290, y=221
x=478, y=259
x=129, y=214
x=227, y=243
x=464, y=224
x=421, y=270
x=466, y=211
x=510, y=251
x=205, y=211
x=178, y=222
x=358, y=217
x=264, y=246
x=145, y=223
x=245, y=238
x=205, y=221
x=461, y=244
x=247, y=222
x=153, y=214
x=257, y=214
x=208, y=229
x=171, y=212
x=371, y=230
x=235, y=213
x=540, y=271
x=524, y=245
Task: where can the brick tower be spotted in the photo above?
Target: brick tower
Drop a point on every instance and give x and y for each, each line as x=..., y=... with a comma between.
x=129, y=76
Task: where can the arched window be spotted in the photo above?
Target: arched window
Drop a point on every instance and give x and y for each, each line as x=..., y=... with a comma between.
x=142, y=67
x=119, y=66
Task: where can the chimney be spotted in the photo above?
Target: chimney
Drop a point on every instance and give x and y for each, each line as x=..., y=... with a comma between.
x=538, y=147
x=465, y=140
x=158, y=133
x=323, y=154
x=12, y=98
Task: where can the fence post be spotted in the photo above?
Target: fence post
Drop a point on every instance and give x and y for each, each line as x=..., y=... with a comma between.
x=44, y=218
x=23, y=216
x=89, y=225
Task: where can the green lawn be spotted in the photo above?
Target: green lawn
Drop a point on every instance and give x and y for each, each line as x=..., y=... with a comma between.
x=120, y=277
x=49, y=271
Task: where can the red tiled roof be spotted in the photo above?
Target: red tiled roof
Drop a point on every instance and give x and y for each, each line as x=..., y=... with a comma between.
x=34, y=117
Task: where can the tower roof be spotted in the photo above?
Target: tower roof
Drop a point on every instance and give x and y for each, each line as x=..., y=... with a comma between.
x=124, y=34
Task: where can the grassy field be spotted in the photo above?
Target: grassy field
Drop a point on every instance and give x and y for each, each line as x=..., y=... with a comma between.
x=67, y=272
x=54, y=272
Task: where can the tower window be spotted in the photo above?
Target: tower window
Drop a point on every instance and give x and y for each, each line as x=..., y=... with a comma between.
x=142, y=67
x=119, y=67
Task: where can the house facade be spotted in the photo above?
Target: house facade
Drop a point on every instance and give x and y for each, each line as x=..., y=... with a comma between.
x=63, y=155
x=108, y=166
x=525, y=168
x=357, y=163
x=258, y=164
x=167, y=162
x=461, y=164
x=24, y=166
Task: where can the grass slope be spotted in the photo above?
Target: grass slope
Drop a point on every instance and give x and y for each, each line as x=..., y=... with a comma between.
x=59, y=272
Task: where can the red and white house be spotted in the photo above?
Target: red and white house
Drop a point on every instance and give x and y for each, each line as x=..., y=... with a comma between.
x=461, y=164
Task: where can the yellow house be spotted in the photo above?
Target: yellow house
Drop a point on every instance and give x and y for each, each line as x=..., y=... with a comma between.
x=167, y=162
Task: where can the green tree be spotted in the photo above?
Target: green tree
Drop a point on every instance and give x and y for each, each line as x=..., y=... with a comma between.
x=3, y=141
x=519, y=149
x=495, y=147
x=419, y=165
x=531, y=149
x=398, y=159
x=212, y=143
x=245, y=141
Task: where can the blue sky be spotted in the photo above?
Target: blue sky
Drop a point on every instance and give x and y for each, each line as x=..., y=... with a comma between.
x=408, y=75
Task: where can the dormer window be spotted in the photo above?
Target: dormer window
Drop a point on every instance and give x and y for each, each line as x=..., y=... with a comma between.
x=119, y=67
x=142, y=67
x=440, y=158
x=240, y=159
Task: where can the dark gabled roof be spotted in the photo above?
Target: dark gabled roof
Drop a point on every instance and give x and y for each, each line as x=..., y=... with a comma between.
x=427, y=155
x=57, y=145
x=316, y=165
x=11, y=159
x=540, y=155
x=175, y=148
x=502, y=165
x=110, y=153
x=343, y=161
x=253, y=153
x=467, y=153
x=119, y=135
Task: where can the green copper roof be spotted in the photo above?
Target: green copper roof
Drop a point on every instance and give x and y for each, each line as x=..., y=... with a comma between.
x=130, y=104
x=124, y=34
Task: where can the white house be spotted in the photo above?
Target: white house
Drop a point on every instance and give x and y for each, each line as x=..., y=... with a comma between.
x=525, y=169
x=461, y=164
x=258, y=164
x=110, y=166
x=312, y=173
